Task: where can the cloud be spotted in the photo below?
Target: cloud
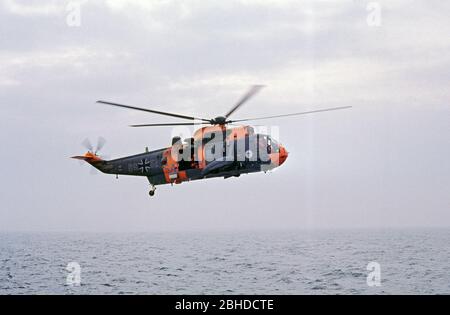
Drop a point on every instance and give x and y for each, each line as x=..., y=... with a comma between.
x=25, y=8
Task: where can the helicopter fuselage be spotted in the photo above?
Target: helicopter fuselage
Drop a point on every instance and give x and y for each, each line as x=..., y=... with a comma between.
x=214, y=151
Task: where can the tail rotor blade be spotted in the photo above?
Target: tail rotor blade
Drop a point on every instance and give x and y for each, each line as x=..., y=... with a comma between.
x=88, y=145
x=93, y=171
x=100, y=144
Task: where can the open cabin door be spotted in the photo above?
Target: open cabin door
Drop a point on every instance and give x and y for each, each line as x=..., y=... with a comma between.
x=175, y=166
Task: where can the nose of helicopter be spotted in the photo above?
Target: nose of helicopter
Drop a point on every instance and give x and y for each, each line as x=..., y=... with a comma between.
x=283, y=155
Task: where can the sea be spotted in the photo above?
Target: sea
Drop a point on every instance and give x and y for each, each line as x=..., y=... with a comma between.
x=370, y=261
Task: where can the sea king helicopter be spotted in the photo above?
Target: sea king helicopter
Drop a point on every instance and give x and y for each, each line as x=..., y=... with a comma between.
x=214, y=150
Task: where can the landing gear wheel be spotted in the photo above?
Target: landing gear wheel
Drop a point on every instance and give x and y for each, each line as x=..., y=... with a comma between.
x=152, y=191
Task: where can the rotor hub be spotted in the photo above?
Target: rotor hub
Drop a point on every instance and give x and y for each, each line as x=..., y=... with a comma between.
x=220, y=120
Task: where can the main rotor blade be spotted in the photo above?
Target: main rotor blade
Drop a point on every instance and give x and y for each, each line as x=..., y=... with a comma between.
x=253, y=90
x=293, y=114
x=153, y=111
x=170, y=124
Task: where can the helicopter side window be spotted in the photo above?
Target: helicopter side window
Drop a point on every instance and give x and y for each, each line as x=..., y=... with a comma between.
x=269, y=145
x=208, y=137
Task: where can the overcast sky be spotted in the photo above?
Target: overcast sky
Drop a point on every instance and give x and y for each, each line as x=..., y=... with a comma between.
x=384, y=163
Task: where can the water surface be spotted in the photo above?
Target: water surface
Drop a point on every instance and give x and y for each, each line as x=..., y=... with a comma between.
x=294, y=262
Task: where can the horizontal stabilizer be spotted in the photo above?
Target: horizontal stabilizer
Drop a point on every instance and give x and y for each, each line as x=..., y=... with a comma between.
x=80, y=157
x=88, y=157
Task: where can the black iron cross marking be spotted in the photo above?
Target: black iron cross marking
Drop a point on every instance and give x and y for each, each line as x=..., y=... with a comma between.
x=144, y=166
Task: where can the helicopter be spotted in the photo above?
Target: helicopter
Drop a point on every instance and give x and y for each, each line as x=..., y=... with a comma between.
x=215, y=149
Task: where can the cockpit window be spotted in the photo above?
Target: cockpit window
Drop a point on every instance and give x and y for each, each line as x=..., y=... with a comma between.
x=275, y=147
x=272, y=145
